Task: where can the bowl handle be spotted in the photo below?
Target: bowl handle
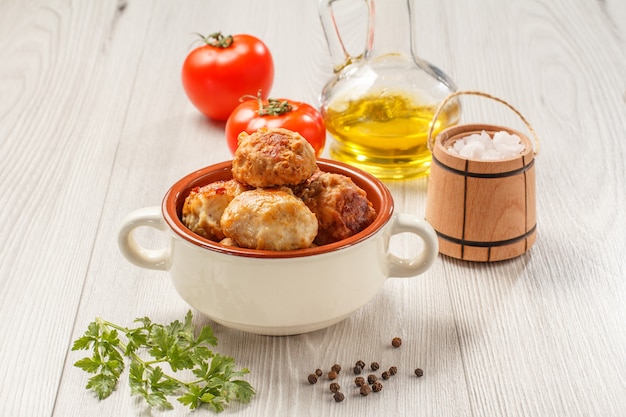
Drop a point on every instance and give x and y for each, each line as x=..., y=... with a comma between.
x=410, y=267
x=133, y=251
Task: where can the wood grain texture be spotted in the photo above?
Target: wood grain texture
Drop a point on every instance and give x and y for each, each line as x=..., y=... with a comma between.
x=94, y=124
x=59, y=122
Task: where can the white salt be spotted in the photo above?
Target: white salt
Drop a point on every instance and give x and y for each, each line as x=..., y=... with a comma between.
x=483, y=148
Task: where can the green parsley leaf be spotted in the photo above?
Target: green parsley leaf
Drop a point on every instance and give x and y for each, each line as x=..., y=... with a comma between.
x=89, y=365
x=103, y=385
x=244, y=391
x=136, y=379
x=192, y=397
x=149, y=344
x=206, y=336
x=88, y=339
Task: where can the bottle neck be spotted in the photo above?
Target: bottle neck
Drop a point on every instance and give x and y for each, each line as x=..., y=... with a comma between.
x=392, y=31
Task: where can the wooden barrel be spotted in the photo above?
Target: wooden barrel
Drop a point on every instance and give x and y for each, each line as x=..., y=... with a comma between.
x=482, y=211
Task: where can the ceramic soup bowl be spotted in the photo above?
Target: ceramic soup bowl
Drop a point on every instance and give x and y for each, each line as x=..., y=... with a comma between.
x=271, y=292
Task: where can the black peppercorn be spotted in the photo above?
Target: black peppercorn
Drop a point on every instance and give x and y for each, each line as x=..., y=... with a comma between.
x=336, y=368
x=332, y=375
x=312, y=379
x=359, y=381
x=365, y=390
x=393, y=370
x=377, y=386
x=385, y=375
x=371, y=378
x=318, y=372
x=360, y=364
x=396, y=342
x=357, y=370
x=338, y=396
x=419, y=372
x=334, y=387
x=374, y=366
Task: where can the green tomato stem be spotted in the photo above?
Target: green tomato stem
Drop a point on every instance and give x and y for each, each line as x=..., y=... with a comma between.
x=274, y=106
x=217, y=40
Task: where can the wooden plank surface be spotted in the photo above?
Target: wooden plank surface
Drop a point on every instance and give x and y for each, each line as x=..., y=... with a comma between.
x=94, y=124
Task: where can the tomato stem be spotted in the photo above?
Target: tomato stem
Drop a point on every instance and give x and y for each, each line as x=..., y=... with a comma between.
x=274, y=107
x=217, y=39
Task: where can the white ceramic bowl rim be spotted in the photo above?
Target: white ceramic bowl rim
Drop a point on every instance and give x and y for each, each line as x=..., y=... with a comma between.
x=173, y=201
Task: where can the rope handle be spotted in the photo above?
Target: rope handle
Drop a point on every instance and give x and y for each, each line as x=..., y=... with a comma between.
x=431, y=141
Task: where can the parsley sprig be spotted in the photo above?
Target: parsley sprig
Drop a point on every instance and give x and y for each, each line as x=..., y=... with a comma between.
x=215, y=381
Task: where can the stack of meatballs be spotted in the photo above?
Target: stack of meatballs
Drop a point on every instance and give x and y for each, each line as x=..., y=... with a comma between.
x=278, y=199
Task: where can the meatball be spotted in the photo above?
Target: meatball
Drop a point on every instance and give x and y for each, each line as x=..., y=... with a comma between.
x=270, y=219
x=273, y=158
x=341, y=207
x=204, y=206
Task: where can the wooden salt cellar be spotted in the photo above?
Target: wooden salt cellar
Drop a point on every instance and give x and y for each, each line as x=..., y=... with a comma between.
x=482, y=211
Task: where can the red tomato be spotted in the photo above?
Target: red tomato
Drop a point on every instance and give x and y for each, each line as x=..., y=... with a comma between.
x=216, y=75
x=299, y=117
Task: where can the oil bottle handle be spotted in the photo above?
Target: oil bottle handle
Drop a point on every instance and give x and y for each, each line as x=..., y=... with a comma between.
x=339, y=55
